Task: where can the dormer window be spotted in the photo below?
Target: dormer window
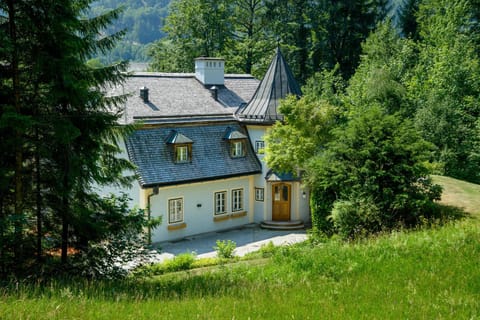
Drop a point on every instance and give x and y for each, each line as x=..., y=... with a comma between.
x=237, y=142
x=237, y=148
x=182, y=153
x=182, y=147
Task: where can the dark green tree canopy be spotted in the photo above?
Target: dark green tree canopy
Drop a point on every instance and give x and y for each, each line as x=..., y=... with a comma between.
x=313, y=35
x=65, y=133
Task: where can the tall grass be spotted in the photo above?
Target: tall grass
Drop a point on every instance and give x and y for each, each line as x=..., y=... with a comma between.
x=426, y=274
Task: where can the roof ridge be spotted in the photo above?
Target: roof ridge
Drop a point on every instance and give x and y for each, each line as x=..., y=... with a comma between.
x=185, y=75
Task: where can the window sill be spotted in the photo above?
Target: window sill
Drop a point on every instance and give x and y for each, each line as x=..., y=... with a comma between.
x=221, y=218
x=177, y=226
x=239, y=214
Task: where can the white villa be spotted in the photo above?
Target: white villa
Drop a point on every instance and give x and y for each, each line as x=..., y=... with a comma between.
x=199, y=152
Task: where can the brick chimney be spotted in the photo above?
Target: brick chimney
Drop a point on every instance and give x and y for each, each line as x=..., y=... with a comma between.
x=210, y=71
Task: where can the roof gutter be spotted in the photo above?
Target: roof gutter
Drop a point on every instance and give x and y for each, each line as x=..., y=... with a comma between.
x=176, y=183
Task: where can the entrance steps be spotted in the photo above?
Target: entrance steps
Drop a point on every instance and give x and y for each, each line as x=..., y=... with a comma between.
x=282, y=225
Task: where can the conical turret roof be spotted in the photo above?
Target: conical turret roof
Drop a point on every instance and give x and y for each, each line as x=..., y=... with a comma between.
x=277, y=83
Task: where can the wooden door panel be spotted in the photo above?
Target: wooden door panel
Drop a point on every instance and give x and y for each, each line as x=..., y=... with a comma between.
x=281, y=195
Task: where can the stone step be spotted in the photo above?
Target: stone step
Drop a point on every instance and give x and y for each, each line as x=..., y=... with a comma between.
x=282, y=225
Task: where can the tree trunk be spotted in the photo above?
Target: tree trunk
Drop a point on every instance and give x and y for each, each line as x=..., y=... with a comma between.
x=38, y=197
x=2, y=238
x=65, y=207
x=18, y=204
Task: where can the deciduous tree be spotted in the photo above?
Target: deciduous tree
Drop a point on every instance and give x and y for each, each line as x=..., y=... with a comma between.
x=446, y=85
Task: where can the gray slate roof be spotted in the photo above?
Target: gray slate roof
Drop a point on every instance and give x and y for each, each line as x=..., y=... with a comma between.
x=175, y=97
x=153, y=156
x=277, y=83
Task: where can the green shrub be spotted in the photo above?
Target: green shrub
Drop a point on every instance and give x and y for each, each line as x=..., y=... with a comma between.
x=268, y=250
x=183, y=261
x=225, y=248
x=356, y=217
x=321, y=202
x=205, y=262
x=149, y=270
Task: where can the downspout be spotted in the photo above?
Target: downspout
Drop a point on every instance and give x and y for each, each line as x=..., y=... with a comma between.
x=149, y=213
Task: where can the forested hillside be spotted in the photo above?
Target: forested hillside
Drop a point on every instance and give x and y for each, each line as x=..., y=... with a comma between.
x=143, y=20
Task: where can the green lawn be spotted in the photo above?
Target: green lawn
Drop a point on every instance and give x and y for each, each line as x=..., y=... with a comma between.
x=422, y=274
x=460, y=193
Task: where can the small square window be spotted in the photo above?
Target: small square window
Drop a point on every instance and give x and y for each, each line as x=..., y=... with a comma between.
x=259, y=194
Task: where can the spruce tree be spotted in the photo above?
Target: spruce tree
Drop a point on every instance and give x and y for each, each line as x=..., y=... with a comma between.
x=65, y=133
x=82, y=122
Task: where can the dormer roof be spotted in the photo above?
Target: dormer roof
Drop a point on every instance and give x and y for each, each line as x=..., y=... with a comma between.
x=232, y=134
x=277, y=83
x=177, y=138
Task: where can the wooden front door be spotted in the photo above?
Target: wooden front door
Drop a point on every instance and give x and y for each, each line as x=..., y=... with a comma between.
x=281, y=194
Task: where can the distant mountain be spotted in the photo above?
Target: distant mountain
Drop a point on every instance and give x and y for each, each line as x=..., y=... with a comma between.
x=143, y=20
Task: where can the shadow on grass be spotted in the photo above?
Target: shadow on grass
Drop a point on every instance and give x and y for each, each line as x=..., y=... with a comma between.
x=443, y=213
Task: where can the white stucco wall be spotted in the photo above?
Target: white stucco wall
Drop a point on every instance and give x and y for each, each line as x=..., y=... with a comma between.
x=199, y=213
x=301, y=205
x=256, y=133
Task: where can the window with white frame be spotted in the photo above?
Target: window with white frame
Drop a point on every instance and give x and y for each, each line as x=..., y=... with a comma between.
x=182, y=153
x=259, y=147
x=237, y=149
x=175, y=210
x=259, y=194
x=220, y=202
x=237, y=199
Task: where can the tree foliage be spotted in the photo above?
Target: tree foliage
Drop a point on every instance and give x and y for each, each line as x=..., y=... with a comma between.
x=346, y=25
x=368, y=170
x=234, y=29
x=375, y=166
x=313, y=35
x=66, y=135
x=307, y=123
x=408, y=19
x=385, y=67
x=445, y=86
